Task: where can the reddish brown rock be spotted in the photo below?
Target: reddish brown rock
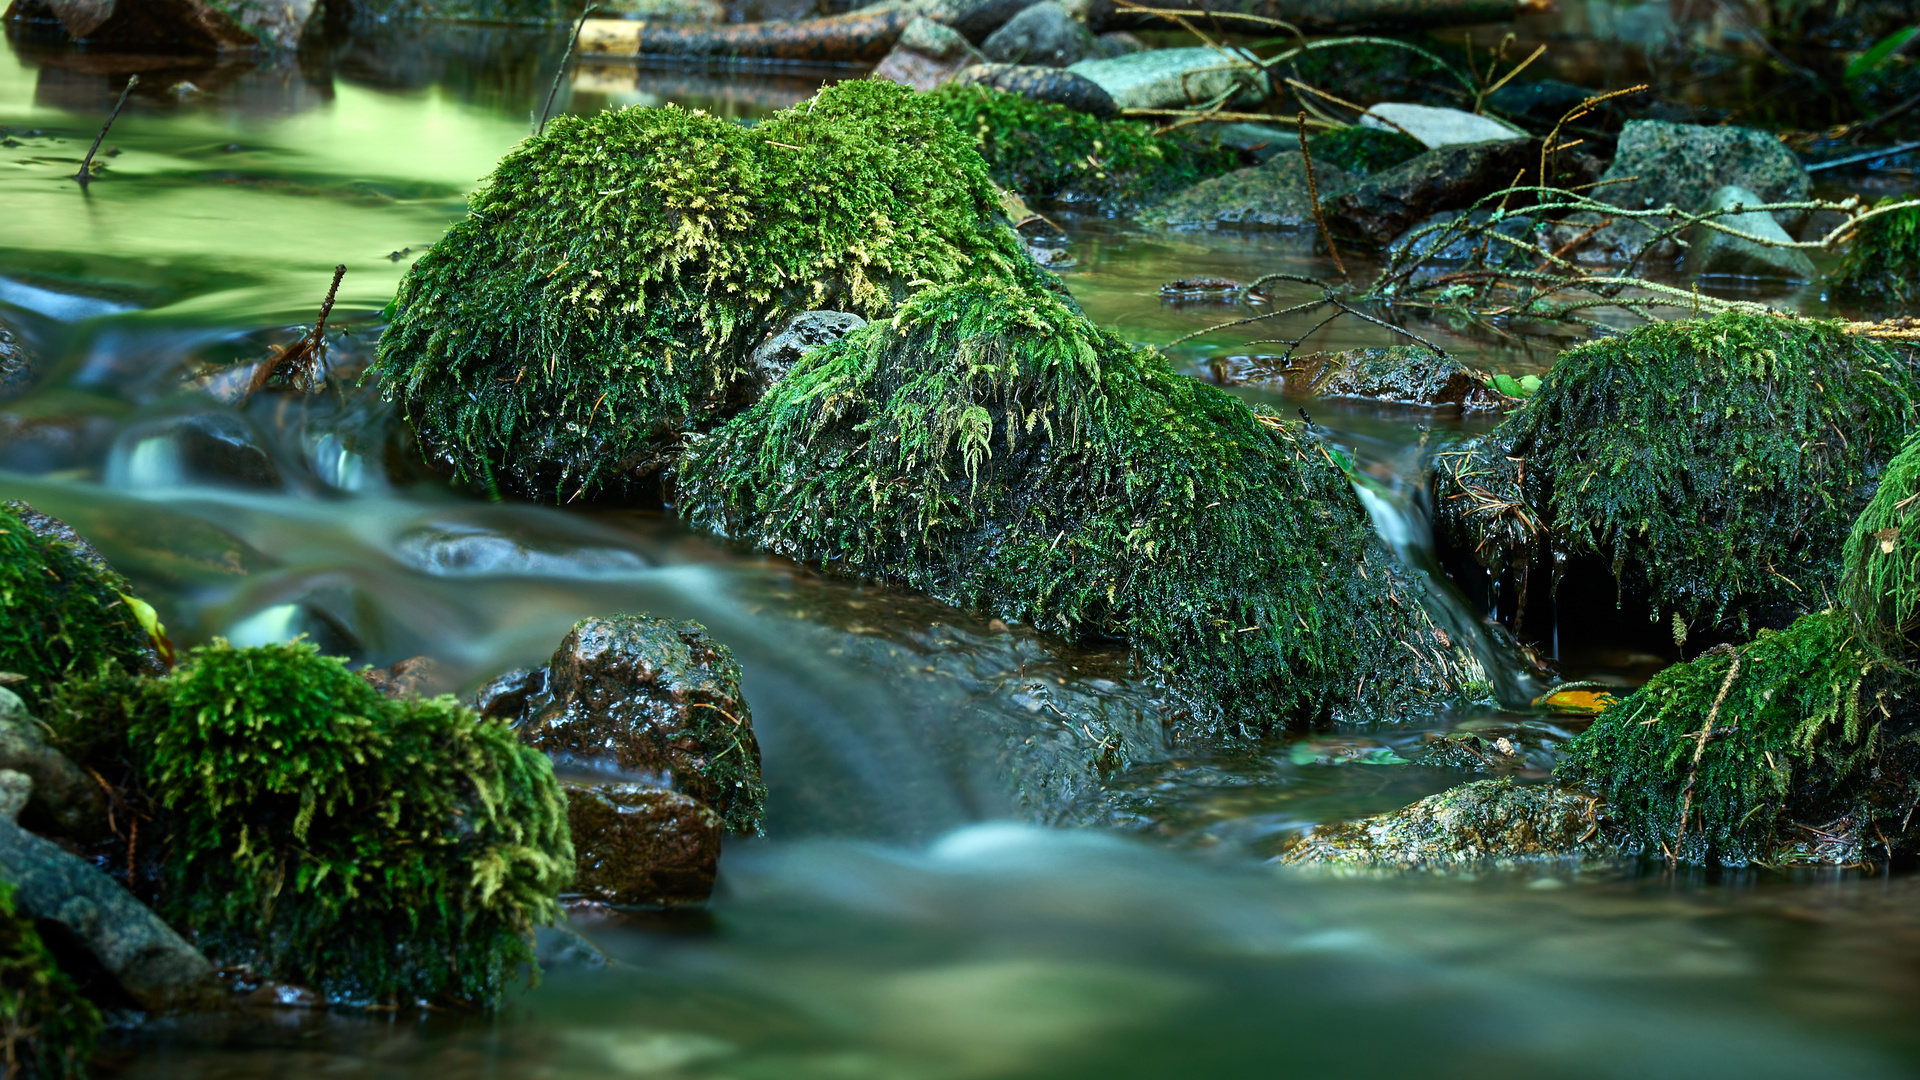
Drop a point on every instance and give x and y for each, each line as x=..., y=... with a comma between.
x=639, y=844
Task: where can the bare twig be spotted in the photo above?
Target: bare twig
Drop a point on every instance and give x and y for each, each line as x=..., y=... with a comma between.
x=298, y=363
x=1313, y=193
x=85, y=175
x=566, y=58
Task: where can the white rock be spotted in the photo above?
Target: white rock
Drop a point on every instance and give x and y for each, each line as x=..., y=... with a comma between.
x=1170, y=78
x=1436, y=127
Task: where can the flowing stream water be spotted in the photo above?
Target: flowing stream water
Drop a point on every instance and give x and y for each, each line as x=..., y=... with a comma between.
x=917, y=908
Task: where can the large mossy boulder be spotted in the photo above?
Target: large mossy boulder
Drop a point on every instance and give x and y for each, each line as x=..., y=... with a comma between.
x=998, y=450
x=1715, y=465
x=602, y=297
x=65, y=611
x=47, y=1029
x=1048, y=153
x=310, y=830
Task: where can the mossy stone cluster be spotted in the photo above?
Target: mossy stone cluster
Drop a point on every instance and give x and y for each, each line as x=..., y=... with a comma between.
x=998, y=450
x=1048, y=153
x=601, y=298
x=1716, y=464
x=317, y=832
x=1882, y=261
x=64, y=615
x=47, y=1028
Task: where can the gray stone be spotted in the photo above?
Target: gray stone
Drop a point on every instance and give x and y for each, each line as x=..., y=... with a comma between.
x=666, y=11
x=1401, y=375
x=1710, y=251
x=1042, y=84
x=927, y=55
x=1172, y=78
x=1043, y=35
x=1658, y=163
x=1485, y=824
x=1117, y=43
x=1271, y=195
x=1386, y=204
x=155, y=965
x=1452, y=239
x=775, y=356
x=1437, y=127
x=66, y=801
x=974, y=18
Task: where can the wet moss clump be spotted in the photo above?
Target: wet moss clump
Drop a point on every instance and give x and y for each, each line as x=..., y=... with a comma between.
x=317, y=832
x=1714, y=464
x=601, y=298
x=1048, y=153
x=1882, y=262
x=1881, y=586
x=998, y=450
x=47, y=1029
x=64, y=615
x=1363, y=150
x=1790, y=743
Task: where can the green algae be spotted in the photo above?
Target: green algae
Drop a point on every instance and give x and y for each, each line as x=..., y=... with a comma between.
x=1363, y=150
x=1049, y=153
x=1714, y=463
x=600, y=300
x=1882, y=262
x=319, y=833
x=47, y=1029
x=64, y=615
x=1802, y=735
x=996, y=449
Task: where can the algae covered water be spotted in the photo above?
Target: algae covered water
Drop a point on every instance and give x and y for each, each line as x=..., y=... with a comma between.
x=920, y=907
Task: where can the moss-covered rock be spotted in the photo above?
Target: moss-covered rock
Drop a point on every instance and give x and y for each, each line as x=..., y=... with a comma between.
x=998, y=450
x=321, y=833
x=602, y=296
x=1759, y=753
x=47, y=1029
x=1882, y=262
x=1363, y=150
x=1048, y=153
x=64, y=613
x=1715, y=465
x=1487, y=824
x=1881, y=585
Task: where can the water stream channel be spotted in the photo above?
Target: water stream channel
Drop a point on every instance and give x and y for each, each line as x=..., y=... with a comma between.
x=920, y=907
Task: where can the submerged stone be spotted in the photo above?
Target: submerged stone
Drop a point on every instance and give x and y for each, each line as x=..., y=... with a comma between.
x=631, y=696
x=1047, y=153
x=1711, y=251
x=1487, y=824
x=1400, y=375
x=1714, y=464
x=1001, y=452
x=602, y=297
x=641, y=844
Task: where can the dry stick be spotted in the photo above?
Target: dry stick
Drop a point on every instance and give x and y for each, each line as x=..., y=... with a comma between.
x=1504, y=79
x=301, y=353
x=1576, y=113
x=86, y=167
x=565, y=59
x=1361, y=109
x=1313, y=193
x=1699, y=749
x=1871, y=155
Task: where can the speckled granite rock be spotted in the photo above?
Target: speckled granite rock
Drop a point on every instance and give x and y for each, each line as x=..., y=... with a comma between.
x=1271, y=195
x=1485, y=824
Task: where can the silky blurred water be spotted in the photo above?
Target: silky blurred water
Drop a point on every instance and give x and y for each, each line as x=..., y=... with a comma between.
x=910, y=913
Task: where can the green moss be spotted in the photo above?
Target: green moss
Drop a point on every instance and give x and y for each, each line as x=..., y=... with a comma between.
x=1363, y=150
x=998, y=450
x=1881, y=587
x=1716, y=463
x=47, y=1029
x=1798, y=737
x=63, y=615
x=322, y=834
x=1049, y=153
x=602, y=296
x=1882, y=262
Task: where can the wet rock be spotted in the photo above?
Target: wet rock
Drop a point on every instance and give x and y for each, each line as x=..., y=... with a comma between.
x=1272, y=195
x=1171, y=78
x=1046, y=84
x=1657, y=163
x=1436, y=127
x=65, y=802
x=415, y=676
x=1382, y=206
x=215, y=448
x=48, y=527
x=18, y=367
x=641, y=844
x=974, y=18
x=1117, y=43
x=1444, y=242
x=1043, y=35
x=1541, y=102
x=155, y=966
x=1401, y=375
x=43, y=444
x=634, y=695
x=1485, y=824
x=1710, y=251
x=1260, y=141
x=927, y=55
x=774, y=357
x=196, y=25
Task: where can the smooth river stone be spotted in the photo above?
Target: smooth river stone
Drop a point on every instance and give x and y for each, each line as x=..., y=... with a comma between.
x=1167, y=78
x=1437, y=127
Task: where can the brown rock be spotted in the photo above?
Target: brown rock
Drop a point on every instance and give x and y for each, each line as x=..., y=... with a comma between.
x=1382, y=206
x=640, y=844
x=927, y=55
